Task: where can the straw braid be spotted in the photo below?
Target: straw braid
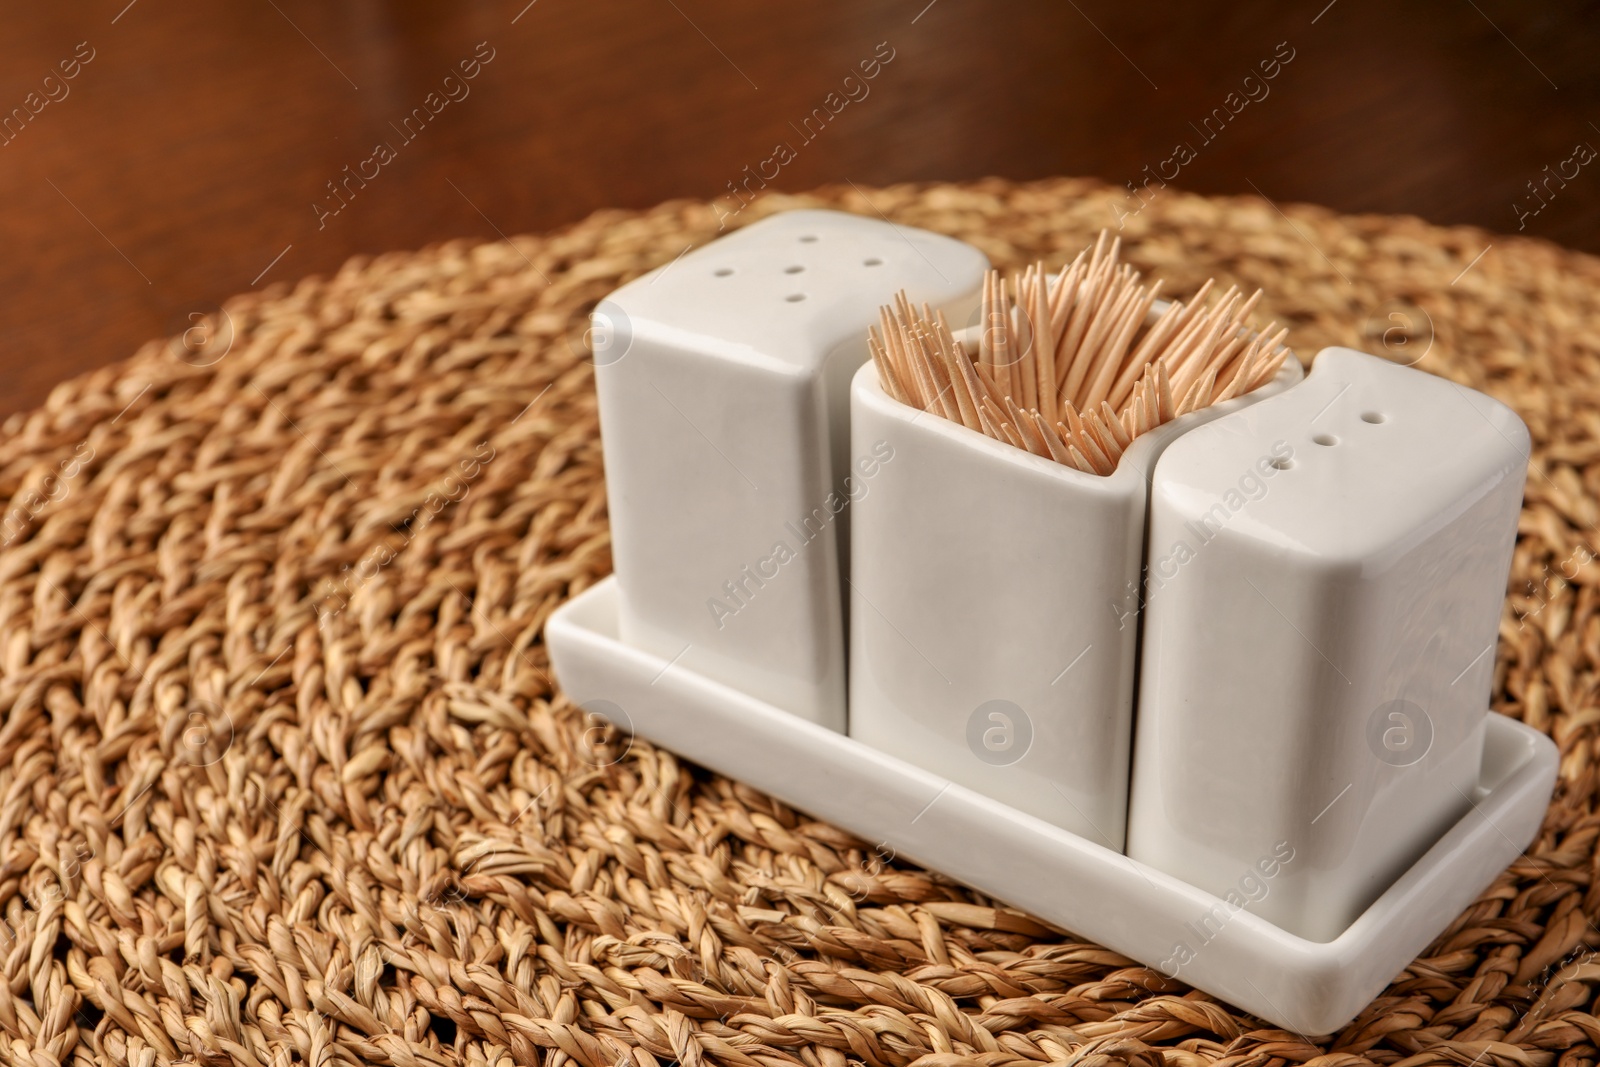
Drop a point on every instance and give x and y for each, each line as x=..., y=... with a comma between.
x=387, y=838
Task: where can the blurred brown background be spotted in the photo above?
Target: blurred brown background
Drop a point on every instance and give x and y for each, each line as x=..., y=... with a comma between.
x=186, y=156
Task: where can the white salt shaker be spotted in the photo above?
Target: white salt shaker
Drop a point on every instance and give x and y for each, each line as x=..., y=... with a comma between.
x=994, y=609
x=1326, y=571
x=723, y=380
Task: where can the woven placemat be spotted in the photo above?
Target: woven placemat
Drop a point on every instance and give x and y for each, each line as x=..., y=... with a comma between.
x=284, y=778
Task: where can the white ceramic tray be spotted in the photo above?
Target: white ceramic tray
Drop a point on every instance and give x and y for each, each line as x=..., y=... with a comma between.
x=1307, y=986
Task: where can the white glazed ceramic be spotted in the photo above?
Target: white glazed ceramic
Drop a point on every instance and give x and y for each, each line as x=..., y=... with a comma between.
x=1326, y=573
x=1228, y=951
x=724, y=383
x=994, y=609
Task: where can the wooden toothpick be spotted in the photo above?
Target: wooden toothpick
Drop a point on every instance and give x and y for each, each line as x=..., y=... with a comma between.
x=1074, y=368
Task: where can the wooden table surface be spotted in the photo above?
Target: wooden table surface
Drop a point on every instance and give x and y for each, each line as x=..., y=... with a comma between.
x=157, y=156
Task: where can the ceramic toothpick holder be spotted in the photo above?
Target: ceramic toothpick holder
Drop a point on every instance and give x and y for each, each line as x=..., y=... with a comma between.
x=994, y=608
x=1317, y=790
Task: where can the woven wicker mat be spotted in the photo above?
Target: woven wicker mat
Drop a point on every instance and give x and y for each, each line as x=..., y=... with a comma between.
x=284, y=778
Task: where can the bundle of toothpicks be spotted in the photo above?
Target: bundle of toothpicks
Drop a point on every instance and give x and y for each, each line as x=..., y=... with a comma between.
x=1074, y=368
